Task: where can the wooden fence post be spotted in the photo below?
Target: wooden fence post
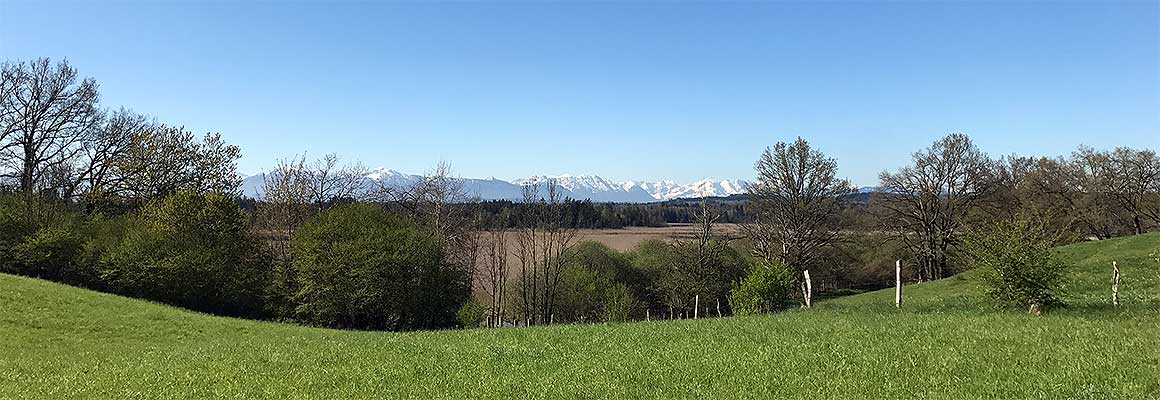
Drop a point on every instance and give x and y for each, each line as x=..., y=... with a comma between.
x=718, y=308
x=1115, y=284
x=696, y=306
x=809, y=289
x=646, y=316
x=898, y=283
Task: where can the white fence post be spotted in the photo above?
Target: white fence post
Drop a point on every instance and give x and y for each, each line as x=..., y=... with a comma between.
x=898, y=283
x=696, y=306
x=1115, y=284
x=809, y=289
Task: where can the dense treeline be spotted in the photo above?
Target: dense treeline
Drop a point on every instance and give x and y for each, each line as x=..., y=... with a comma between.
x=115, y=201
x=585, y=214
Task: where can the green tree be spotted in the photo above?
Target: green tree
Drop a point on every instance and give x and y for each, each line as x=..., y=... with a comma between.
x=1017, y=263
x=767, y=288
x=191, y=250
x=358, y=266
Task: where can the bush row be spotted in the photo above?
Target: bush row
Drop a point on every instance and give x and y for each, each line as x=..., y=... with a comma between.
x=354, y=266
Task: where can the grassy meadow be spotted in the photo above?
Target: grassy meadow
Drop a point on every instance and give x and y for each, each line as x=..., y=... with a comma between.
x=947, y=342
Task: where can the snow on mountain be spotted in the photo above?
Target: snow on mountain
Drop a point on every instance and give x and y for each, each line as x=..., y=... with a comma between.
x=705, y=188
x=589, y=187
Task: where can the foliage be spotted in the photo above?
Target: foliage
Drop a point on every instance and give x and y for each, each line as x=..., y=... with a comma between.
x=767, y=288
x=358, y=266
x=56, y=336
x=711, y=277
x=471, y=314
x=587, y=214
x=1017, y=263
x=47, y=239
x=595, y=285
x=191, y=250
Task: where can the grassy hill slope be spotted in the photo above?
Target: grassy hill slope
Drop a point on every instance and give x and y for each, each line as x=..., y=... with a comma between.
x=57, y=341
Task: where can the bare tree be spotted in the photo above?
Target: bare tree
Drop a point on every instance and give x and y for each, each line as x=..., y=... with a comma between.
x=1133, y=183
x=1060, y=189
x=495, y=272
x=95, y=173
x=47, y=115
x=329, y=180
x=296, y=189
x=927, y=203
x=285, y=204
x=542, y=251
x=795, y=202
x=700, y=268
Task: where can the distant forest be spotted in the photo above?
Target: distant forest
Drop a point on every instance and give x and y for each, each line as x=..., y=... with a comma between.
x=586, y=214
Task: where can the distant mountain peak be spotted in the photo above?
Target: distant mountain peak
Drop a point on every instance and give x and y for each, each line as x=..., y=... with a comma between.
x=578, y=186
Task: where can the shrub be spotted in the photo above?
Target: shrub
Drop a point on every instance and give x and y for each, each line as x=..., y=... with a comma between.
x=471, y=314
x=45, y=239
x=1017, y=264
x=358, y=266
x=654, y=259
x=587, y=295
x=600, y=284
x=193, y=251
x=618, y=303
x=767, y=288
x=53, y=254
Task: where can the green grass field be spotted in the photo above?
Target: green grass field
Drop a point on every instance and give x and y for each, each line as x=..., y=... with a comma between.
x=61, y=342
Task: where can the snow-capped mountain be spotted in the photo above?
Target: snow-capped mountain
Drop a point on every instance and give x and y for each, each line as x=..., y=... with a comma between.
x=592, y=187
x=589, y=187
x=668, y=190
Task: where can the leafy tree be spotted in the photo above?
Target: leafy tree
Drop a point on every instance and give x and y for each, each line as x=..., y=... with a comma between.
x=471, y=314
x=358, y=266
x=161, y=160
x=598, y=284
x=767, y=288
x=191, y=250
x=1017, y=263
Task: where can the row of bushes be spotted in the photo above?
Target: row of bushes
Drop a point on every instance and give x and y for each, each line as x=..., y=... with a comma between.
x=599, y=284
x=355, y=266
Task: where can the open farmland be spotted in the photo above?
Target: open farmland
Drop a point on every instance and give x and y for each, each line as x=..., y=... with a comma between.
x=60, y=341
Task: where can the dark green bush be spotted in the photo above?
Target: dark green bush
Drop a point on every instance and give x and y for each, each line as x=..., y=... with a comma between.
x=1017, y=264
x=598, y=284
x=767, y=288
x=52, y=254
x=45, y=239
x=358, y=266
x=193, y=251
x=471, y=314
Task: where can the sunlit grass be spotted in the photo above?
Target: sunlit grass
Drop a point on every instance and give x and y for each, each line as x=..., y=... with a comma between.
x=947, y=342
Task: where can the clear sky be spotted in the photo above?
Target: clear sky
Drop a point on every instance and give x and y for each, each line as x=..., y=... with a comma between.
x=637, y=90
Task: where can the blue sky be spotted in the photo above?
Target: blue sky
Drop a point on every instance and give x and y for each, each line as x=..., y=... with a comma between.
x=637, y=90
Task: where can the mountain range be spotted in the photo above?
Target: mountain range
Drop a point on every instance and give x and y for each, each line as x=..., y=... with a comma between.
x=580, y=187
